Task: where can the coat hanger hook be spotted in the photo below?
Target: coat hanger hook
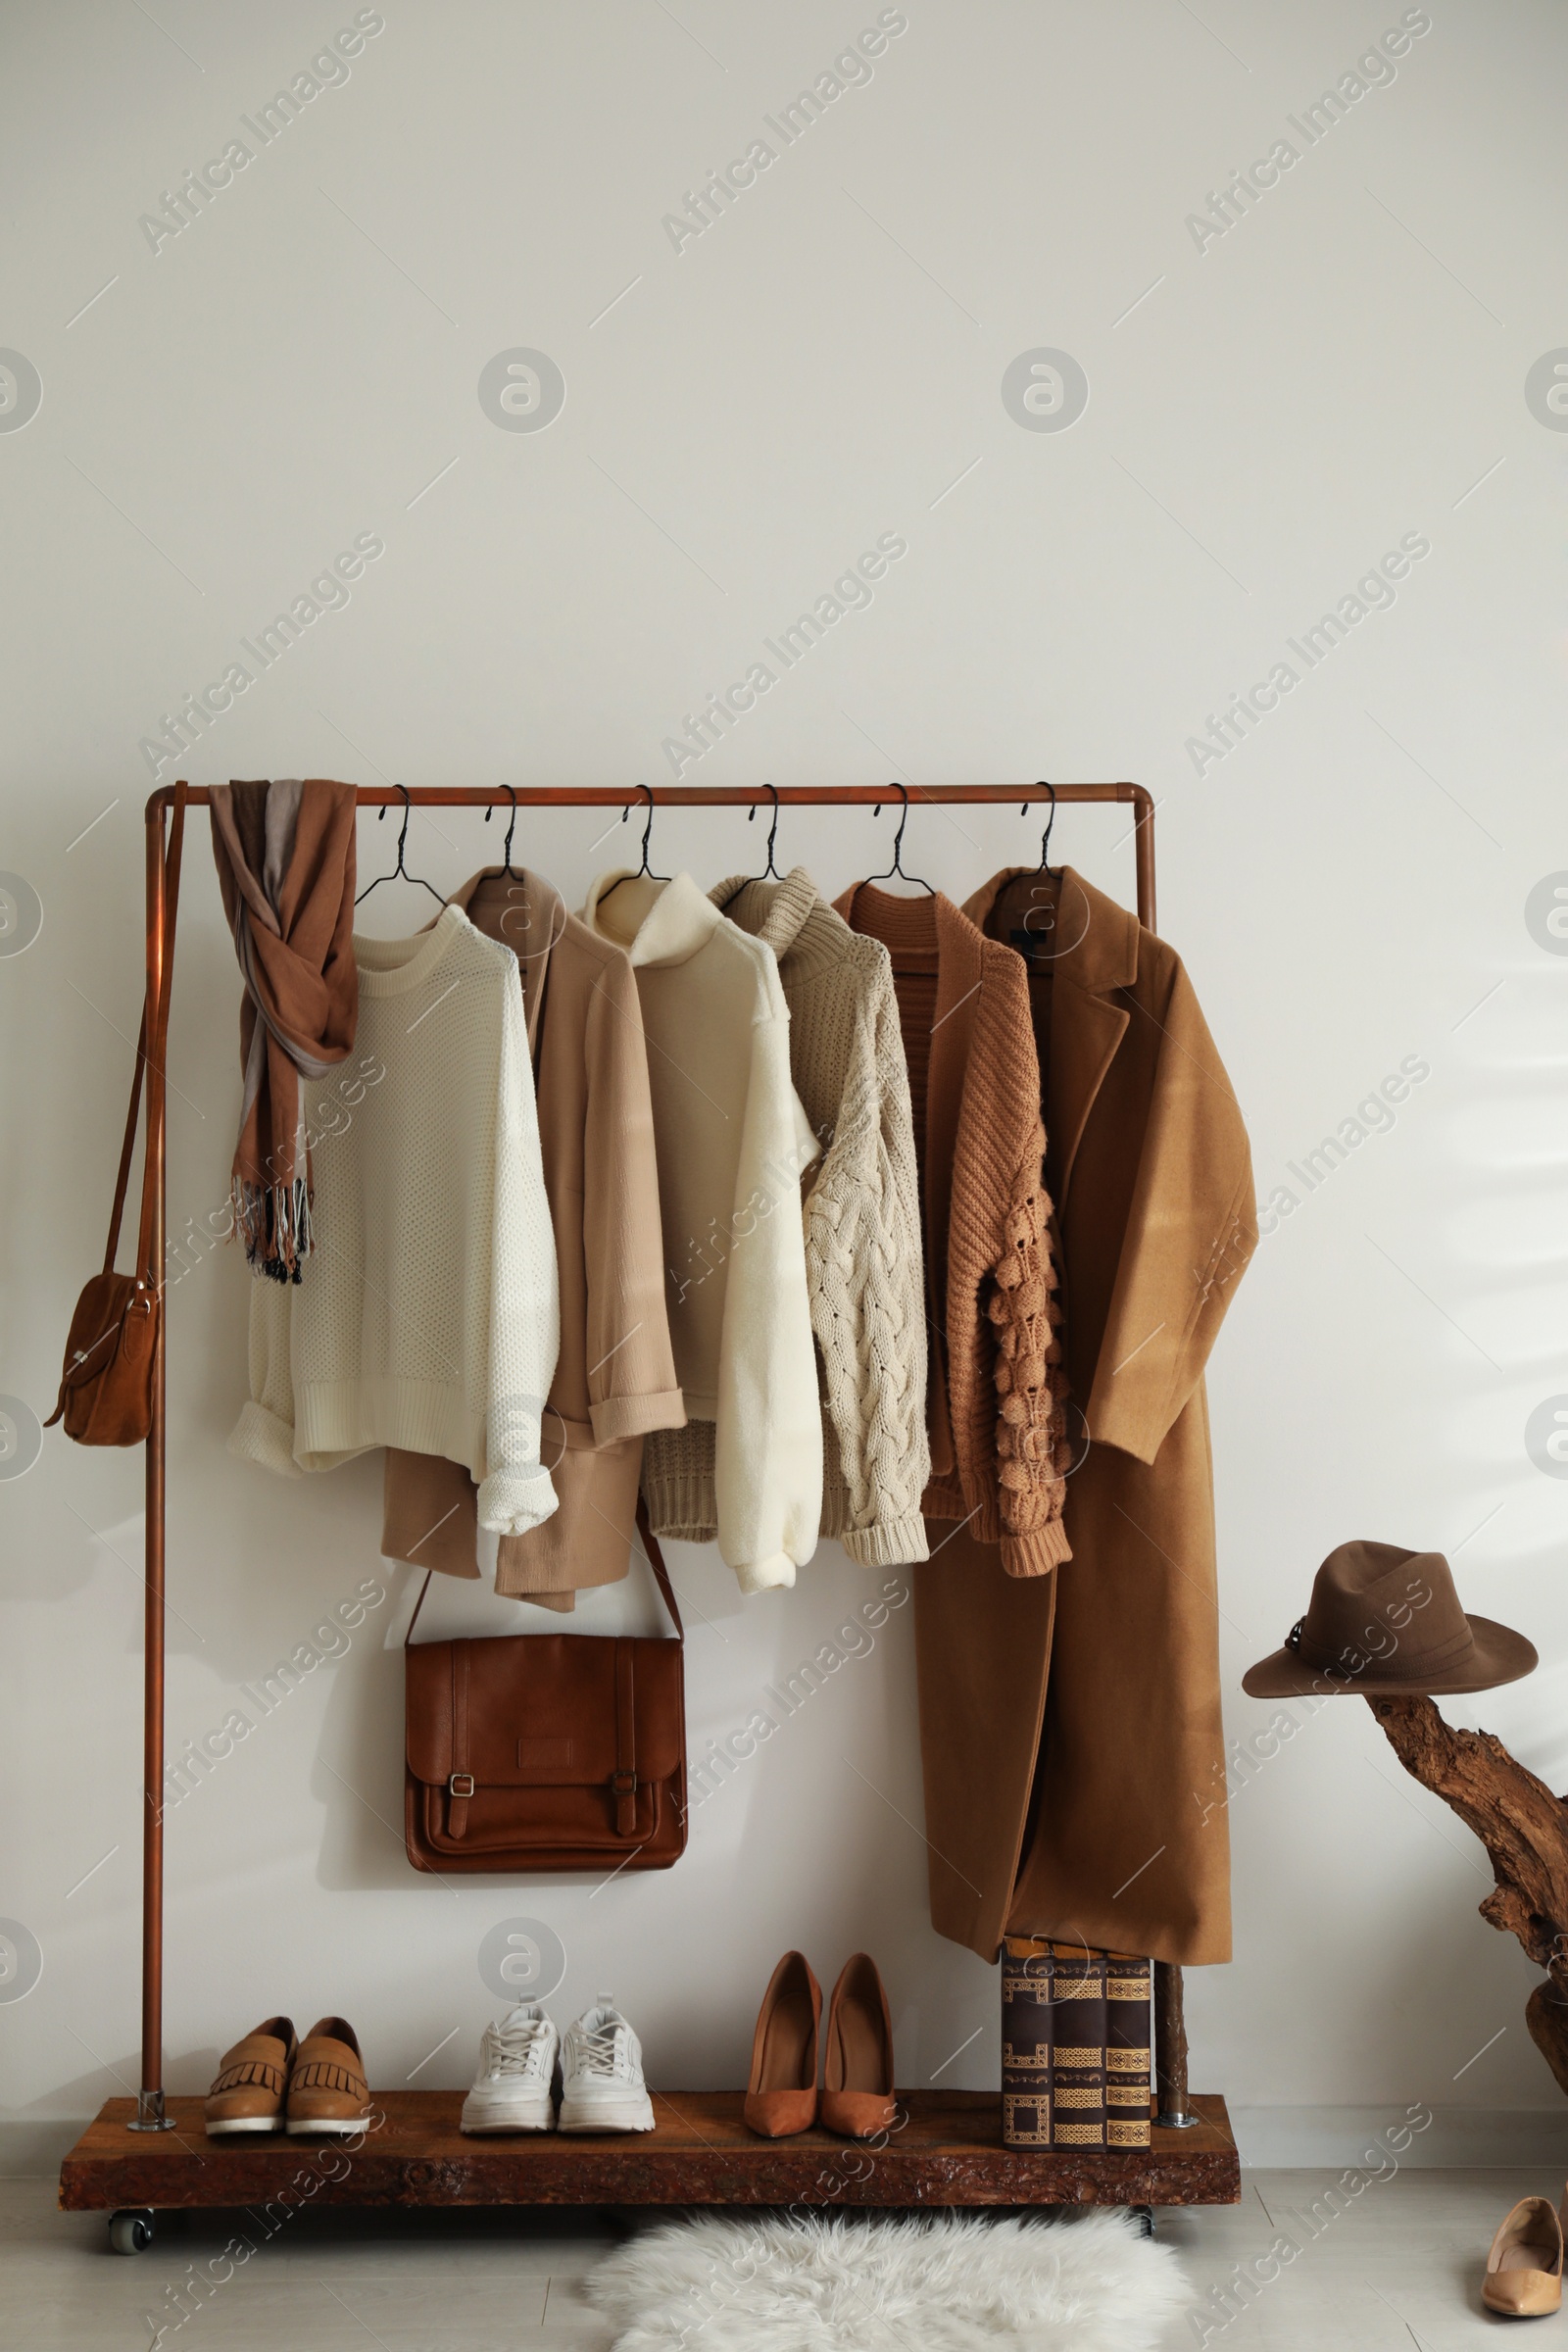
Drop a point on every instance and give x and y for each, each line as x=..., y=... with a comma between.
x=1045, y=845
x=644, y=868
x=769, y=869
x=511, y=827
x=896, y=871
x=400, y=871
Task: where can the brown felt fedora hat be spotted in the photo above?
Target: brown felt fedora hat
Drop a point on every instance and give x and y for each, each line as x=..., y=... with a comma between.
x=1388, y=1622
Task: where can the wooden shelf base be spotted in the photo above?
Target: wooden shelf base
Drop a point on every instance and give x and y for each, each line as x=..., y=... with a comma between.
x=945, y=2151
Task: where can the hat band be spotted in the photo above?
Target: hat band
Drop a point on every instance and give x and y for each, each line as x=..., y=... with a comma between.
x=1433, y=1659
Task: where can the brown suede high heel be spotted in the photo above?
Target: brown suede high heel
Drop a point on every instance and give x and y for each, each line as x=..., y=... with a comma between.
x=781, y=2092
x=857, y=2071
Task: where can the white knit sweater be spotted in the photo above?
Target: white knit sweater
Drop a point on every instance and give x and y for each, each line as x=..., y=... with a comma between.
x=427, y=1316
x=732, y=1142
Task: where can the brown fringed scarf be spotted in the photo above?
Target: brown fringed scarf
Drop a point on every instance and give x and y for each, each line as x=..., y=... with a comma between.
x=284, y=854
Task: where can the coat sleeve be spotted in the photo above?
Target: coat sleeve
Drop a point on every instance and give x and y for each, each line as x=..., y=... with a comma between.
x=1191, y=1229
x=1030, y=1384
x=866, y=1279
x=631, y=1368
x=515, y=1493
x=768, y=1439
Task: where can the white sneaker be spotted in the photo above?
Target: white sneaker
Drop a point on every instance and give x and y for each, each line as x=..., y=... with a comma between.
x=516, y=2060
x=601, y=2073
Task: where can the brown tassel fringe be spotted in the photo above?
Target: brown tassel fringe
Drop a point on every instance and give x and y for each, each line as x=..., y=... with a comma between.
x=273, y=1221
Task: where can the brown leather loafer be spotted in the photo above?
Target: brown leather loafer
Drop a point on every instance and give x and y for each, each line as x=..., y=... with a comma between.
x=326, y=2087
x=857, y=2071
x=1524, y=2268
x=781, y=2091
x=252, y=2079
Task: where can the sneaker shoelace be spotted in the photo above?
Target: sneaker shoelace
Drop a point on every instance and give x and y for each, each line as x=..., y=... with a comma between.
x=606, y=2052
x=517, y=2050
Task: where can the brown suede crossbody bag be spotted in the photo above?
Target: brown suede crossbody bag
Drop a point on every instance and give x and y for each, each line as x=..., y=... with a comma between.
x=534, y=1752
x=106, y=1389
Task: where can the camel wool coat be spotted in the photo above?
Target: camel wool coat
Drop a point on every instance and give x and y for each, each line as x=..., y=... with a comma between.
x=1070, y=1726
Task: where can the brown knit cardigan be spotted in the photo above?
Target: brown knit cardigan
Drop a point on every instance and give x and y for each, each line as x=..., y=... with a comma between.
x=999, y=1445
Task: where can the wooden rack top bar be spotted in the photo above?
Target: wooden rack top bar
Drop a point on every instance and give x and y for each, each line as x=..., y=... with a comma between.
x=699, y=796
x=746, y=796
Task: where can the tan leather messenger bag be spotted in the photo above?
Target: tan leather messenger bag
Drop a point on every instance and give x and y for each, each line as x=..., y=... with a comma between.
x=534, y=1752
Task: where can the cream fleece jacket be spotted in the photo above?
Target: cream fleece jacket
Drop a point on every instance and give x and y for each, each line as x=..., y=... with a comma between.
x=732, y=1143
x=428, y=1315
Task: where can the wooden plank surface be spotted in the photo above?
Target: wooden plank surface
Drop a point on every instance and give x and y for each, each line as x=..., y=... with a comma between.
x=946, y=2150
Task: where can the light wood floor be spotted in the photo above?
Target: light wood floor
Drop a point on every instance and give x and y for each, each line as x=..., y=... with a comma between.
x=1398, y=2266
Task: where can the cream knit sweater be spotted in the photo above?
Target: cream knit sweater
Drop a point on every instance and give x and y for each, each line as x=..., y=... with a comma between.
x=427, y=1316
x=732, y=1142
x=862, y=1214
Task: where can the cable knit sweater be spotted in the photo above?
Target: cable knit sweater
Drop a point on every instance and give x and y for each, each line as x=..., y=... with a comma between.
x=997, y=1429
x=862, y=1214
x=428, y=1315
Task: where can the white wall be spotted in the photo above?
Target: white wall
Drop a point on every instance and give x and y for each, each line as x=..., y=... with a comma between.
x=1349, y=886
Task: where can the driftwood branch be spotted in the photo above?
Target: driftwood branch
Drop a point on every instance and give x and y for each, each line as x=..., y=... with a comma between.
x=1524, y=1828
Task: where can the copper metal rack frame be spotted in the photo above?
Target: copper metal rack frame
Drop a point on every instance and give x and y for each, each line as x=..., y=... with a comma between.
x=91, y=2180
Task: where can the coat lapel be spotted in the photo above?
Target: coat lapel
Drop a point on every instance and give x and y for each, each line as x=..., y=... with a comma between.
x=1099, y=957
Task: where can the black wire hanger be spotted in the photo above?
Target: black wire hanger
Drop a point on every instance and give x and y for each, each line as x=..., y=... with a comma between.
x=1052, y=873
x=769, y=869
x=896, y=871
x=400, y=871
x=644, y=869
x=512, y=826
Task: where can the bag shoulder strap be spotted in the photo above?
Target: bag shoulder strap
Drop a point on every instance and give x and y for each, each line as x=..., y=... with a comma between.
x=417, y=1606
x=112, y=1246
x=176, y=833
x=158, y=1043
x=655, y=1561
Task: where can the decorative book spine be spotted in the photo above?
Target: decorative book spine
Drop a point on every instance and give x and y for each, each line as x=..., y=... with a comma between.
x=1026, y=1967
x=1078, y=2047
x=1129, y=2072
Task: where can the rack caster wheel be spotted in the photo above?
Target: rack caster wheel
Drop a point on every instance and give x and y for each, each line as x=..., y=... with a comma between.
x=1144, y=2216
x=130, y=2231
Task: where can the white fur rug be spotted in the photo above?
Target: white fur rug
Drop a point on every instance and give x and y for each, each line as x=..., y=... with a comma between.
x=927, y=2282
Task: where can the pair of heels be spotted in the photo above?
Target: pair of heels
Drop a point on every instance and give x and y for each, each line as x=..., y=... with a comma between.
x=857, y=2095
x=1524, y=2268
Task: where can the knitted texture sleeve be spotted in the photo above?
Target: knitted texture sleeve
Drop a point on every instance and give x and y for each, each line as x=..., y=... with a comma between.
x=631, y=1372
x=265, y=1431
x=524, y=1303
x=865, y=1277
x=1030, y=1382
x=768, y=1470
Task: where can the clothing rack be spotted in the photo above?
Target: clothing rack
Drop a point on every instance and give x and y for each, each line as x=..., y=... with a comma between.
x=151, y=2114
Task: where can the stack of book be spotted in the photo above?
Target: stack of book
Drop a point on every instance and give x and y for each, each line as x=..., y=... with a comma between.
x=1076, y=2046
